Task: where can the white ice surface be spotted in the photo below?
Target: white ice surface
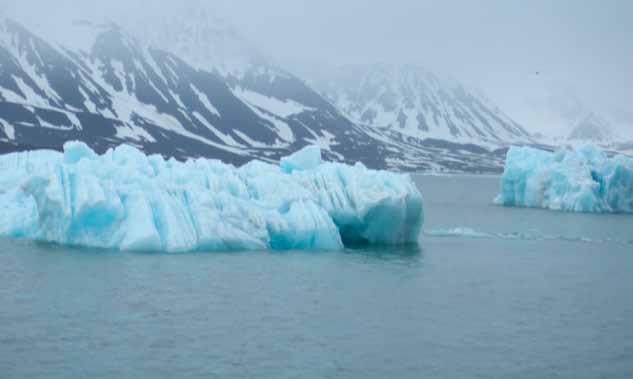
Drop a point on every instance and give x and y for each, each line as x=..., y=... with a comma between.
x=126, y=200
x=579, y=180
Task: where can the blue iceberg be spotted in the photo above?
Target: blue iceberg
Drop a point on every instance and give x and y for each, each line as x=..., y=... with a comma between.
x=126, y=200
x=580, y=180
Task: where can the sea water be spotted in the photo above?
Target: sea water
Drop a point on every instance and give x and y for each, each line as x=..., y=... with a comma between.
x=490, y=292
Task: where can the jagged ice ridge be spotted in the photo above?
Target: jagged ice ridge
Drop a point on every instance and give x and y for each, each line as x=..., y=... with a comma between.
x=580, y=180
x=126, y=200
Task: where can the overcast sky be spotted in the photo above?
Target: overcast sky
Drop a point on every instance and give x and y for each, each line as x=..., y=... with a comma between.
x=497, y=45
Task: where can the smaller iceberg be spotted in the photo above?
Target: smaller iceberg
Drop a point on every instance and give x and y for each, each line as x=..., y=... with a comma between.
x=580, y=180
x=126, y=200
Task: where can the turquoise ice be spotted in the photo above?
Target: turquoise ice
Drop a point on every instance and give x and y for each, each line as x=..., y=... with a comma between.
x=580, y=180
x=126, y=200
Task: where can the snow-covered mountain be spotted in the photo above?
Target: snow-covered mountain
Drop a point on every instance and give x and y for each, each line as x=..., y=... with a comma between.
x=417, y=103
x=448, y=110
x=114, y=88
x=122, y=91
x=202, y=40
x=593, y=129
x=563, y=115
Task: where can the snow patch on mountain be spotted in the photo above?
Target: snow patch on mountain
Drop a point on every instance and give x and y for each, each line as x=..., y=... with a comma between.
x=205, y=100
x=273, y=105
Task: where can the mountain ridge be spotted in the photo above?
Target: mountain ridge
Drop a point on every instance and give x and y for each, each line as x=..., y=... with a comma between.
x=124, y=91
x=417, y=102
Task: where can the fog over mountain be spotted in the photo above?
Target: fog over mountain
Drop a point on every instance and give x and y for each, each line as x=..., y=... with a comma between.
x=537, y=60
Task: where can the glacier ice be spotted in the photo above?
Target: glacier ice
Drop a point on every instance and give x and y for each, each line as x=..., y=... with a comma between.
x=306, y=159
x=581, y=180
x=126, y=200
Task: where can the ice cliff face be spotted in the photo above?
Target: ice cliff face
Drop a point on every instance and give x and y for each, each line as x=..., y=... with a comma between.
x=582, y=180
x=126, y=200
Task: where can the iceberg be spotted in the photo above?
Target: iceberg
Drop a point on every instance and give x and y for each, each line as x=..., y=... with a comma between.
x=581, y=180
x=126, y=200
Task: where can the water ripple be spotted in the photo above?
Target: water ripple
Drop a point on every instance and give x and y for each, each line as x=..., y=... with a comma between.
x=466, y=232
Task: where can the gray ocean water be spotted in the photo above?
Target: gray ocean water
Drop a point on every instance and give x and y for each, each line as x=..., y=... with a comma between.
x=490, y=292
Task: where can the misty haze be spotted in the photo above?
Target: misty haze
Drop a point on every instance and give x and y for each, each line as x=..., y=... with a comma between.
x=316, y=189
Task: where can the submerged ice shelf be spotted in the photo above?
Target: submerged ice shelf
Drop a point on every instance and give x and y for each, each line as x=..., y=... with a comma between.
x=582, y=180
x=126, y=200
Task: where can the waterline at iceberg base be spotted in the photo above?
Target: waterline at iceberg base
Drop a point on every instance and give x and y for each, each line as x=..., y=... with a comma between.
x=580, y=180
x=126, y=200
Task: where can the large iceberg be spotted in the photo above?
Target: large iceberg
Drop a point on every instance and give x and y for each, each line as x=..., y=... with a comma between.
x=581, y=180
x=126, y=200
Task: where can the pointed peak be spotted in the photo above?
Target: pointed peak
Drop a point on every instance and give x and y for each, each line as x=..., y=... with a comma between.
x=202, y=40
x=113, y=35
x=592, y=128
x=14, y=33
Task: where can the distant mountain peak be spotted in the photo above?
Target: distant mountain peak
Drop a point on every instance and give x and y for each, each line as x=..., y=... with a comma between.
x=592, y=128
x=416, y=102
x=203, y=40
